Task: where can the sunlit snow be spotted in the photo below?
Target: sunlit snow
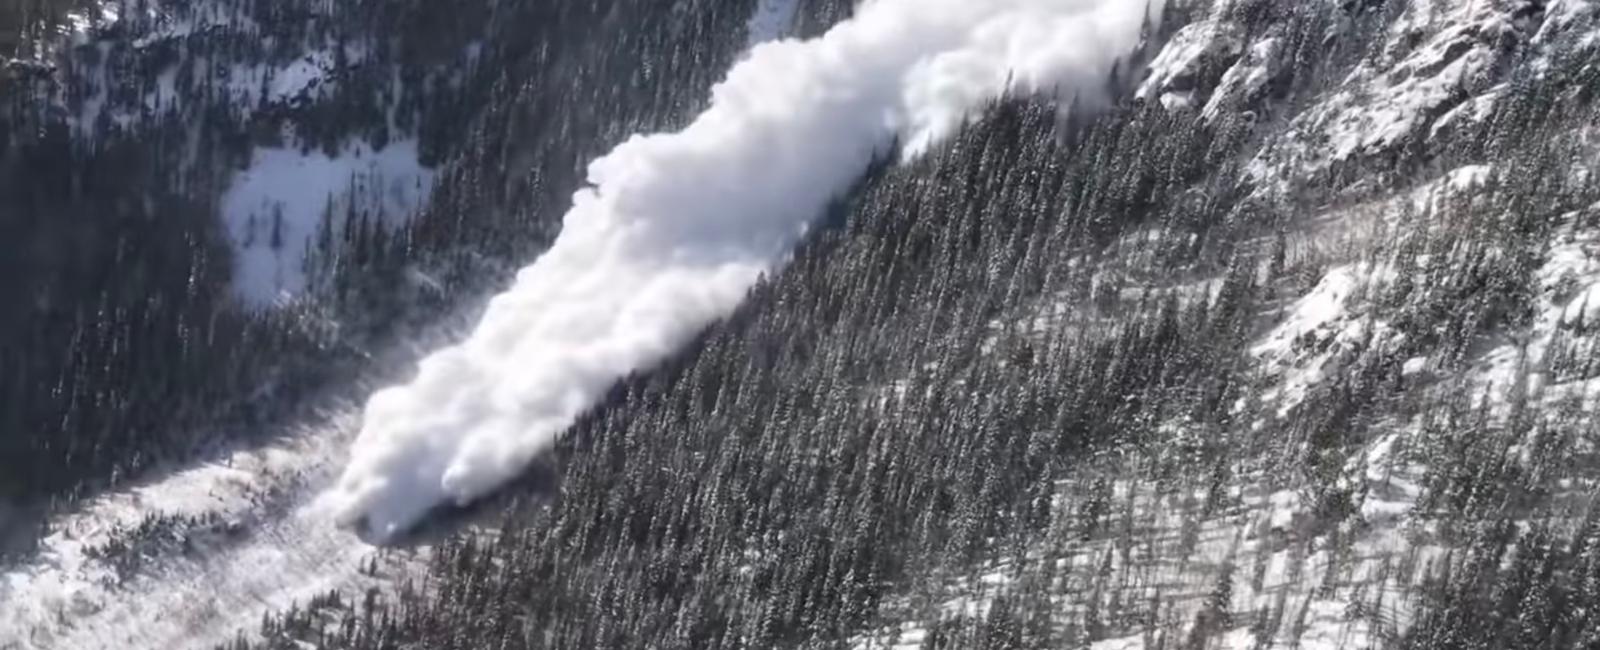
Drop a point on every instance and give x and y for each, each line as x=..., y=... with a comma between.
x=265, y=554
x=275, y=208
x=772, y=20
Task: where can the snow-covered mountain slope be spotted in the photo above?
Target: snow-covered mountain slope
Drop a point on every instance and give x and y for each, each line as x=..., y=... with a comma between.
x=1250, y=559
x=277, y=86
x=772, y=20
x=1253, y=558
x=1295, y=349
x=1334, y=390
x=198, y=555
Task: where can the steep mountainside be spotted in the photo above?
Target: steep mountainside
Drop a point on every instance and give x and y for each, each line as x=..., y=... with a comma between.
x=1295, y=345
x=221, y=209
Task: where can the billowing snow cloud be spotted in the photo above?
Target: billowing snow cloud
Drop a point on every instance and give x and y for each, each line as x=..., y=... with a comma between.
x=677, y=227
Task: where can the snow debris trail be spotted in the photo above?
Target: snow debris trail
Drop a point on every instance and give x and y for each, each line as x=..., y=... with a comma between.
x=677, y=227
x=255, y=550
x=238, y=541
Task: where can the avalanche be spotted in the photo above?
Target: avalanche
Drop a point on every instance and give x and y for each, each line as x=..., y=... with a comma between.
x=677, y=227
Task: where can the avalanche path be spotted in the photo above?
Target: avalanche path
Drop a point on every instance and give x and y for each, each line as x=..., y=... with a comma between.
x=231, y=542
x=215, y=547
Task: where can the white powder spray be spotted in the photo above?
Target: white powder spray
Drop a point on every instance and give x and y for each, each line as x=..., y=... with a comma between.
x=677, y=227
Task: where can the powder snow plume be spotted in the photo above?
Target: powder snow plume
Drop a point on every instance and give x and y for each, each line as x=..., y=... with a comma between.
x=677, y=227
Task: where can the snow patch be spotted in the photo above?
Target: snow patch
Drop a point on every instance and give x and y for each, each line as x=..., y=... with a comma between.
x=1311, y=342
x=1569, y=288
x=1401, y=94
x=275, y=208
x=306, y=78
x=772, y=20
x=1324, y=304
x=1244, y=82
x=1562, y=16
x=1175, y=72
x=1457, y=182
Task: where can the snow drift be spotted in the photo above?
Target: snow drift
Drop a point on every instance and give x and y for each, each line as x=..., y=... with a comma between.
x=677, y=227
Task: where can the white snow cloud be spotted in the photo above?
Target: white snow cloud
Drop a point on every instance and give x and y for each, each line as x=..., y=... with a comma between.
x=677, y=227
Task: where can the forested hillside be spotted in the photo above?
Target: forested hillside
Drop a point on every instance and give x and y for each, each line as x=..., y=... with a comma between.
x=125, y=156
x=1057, y=384
x=1293, y=345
